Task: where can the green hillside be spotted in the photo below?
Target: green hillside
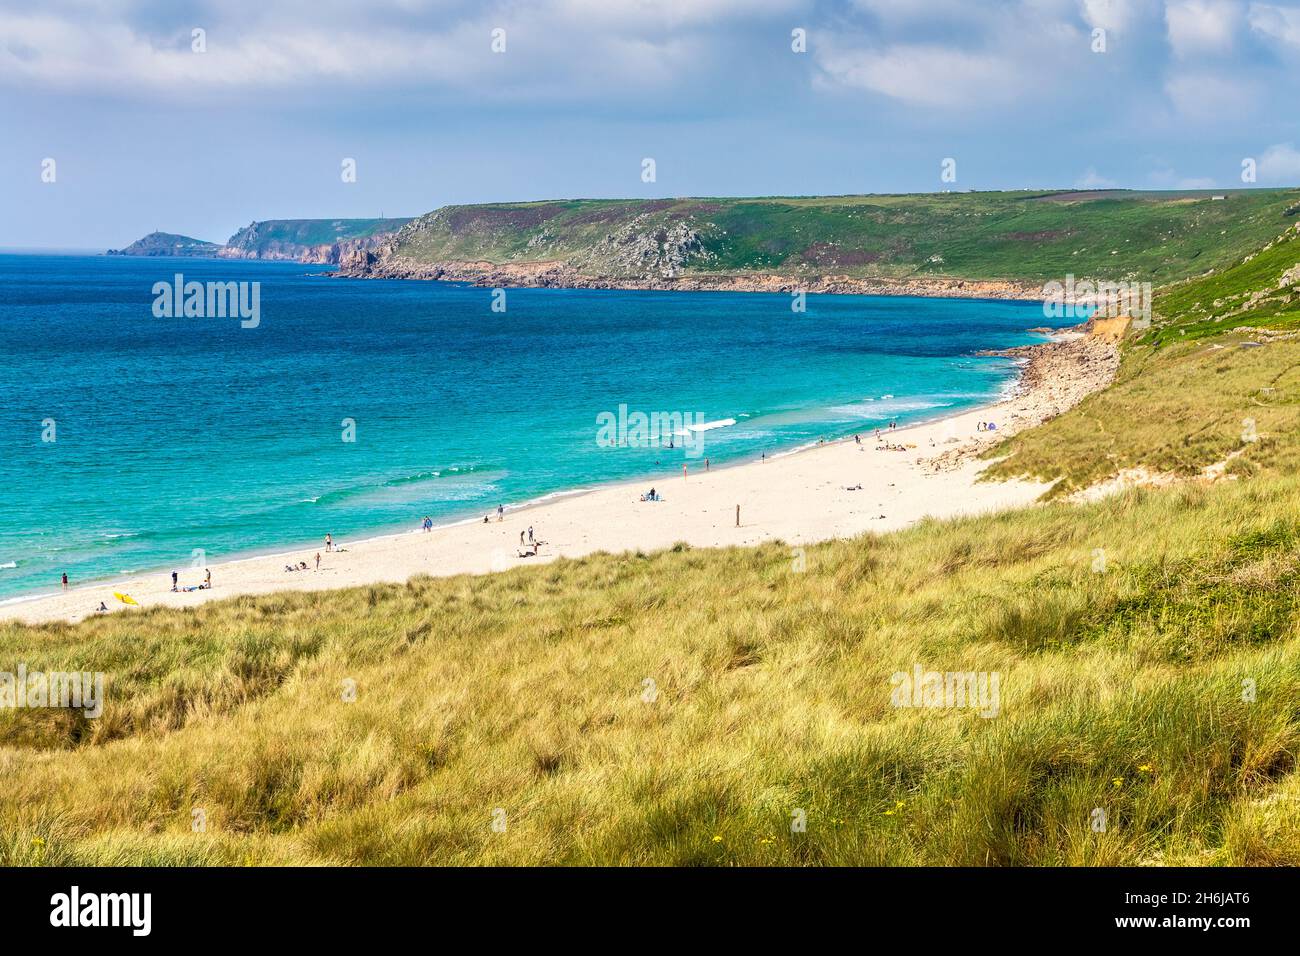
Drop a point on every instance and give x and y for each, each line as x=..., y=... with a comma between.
x=295, y=237
x=1118, y=235
x=1215, y=380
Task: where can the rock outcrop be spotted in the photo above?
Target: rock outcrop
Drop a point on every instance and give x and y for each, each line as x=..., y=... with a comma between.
x=168, y=244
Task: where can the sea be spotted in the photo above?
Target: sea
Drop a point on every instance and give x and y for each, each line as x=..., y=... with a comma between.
x=137, y=435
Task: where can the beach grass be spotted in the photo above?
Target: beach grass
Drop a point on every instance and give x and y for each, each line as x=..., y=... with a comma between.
x=1213, y=381
x=686, y=707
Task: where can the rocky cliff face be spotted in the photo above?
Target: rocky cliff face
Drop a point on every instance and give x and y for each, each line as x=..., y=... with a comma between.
x=253, y=242
x=628, y=260
x=646, y=249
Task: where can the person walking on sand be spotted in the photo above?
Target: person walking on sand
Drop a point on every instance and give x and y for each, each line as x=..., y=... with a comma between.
x=501, y=512
x=329, y=542
x=530, y=534
x=317, y=560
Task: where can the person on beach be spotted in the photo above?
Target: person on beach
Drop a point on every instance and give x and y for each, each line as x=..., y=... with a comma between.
x=530, y=534
x=102, y=609
x=207, y=579
x=521, y=537
x=501, y=512
x=65, y=580
x=329, y=542
x=317, y=560
x=175, y=580
x=427, y=524
x=706, y=464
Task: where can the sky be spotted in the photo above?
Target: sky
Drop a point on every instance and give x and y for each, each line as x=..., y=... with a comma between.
x=200, y=117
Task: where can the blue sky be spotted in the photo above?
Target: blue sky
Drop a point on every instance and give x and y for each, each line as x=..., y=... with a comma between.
x=148, y=133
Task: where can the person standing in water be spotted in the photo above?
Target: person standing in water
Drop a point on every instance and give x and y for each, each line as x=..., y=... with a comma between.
x=65, y=580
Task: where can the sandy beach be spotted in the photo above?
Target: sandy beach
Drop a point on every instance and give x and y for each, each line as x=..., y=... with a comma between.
x=833, y=490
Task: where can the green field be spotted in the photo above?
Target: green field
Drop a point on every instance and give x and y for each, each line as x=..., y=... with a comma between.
x=1116, y=235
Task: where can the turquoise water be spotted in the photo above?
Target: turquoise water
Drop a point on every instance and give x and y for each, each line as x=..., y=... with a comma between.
x=177, y=434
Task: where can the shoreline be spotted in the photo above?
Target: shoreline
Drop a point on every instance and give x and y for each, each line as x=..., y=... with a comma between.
x=555, y=274
x=802, y=495
x=289, y=549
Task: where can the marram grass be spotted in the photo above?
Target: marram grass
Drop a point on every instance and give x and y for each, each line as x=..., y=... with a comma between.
x=682, y=707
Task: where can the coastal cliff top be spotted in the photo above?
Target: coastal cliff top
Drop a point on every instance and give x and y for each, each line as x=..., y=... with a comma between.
x=1014, y=237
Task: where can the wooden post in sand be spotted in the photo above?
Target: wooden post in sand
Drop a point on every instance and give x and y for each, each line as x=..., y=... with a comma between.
x=737, y=516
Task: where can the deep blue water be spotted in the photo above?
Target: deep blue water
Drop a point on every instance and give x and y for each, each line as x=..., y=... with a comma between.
x=176, y=434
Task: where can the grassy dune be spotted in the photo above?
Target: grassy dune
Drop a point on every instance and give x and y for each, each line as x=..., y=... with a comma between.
x=1121, y=691
x=1214, y=380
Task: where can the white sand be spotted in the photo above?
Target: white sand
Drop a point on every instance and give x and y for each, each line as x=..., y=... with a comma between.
x=799, y=498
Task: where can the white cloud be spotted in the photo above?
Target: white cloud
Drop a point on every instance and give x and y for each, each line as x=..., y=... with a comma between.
x=924, y=75
x=560, y=48
x=1279, y=23
x=1091, y=179
x=1107, y=14
x=668, y=14
x=1280, y=164
x=1197, y=27
x=1211, y=96
x=1170, y=179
